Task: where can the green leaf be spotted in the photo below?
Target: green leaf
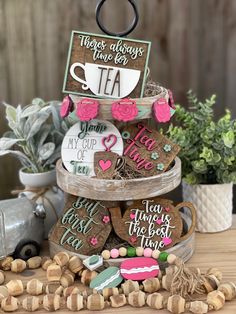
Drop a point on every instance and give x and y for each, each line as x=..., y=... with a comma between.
x=30, y=110
x=46, y=151
x=34, y=123
x=6, y=142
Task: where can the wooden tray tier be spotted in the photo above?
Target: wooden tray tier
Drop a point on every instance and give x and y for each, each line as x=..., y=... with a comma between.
x=184, y=249
x=144, y=105
x=119, y=190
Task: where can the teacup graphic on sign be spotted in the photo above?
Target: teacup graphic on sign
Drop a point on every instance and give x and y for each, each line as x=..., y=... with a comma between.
x=107, y=81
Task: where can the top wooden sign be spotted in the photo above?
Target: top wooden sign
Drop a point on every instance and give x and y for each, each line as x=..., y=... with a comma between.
x=106, y=67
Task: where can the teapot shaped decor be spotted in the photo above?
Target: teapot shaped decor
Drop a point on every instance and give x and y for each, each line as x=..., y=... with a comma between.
x=154, y=223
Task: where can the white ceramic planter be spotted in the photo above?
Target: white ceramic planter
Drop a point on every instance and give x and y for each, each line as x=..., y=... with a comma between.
x=52, y=199
x=213, y=203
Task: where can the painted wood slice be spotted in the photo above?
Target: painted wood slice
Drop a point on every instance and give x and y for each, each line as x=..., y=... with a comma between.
x=154, y=223
x=84, y=139
x=139, y=268
x=147, y=151
x=84, y=226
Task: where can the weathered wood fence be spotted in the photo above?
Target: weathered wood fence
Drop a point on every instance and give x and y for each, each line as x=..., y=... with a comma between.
x=194, y=44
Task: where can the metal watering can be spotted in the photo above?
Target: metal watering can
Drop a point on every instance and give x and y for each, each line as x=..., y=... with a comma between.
x=21, y=227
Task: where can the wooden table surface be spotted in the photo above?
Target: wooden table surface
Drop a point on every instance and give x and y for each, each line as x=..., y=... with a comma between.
x=212, y=250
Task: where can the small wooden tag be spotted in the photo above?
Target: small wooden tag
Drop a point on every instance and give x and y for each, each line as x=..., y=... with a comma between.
x=147, y=151
x=84, y=226
x=153, y=223
x=105, y=164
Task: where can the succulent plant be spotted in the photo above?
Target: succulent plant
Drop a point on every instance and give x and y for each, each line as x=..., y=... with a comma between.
x=208, y=147
x=37, y=130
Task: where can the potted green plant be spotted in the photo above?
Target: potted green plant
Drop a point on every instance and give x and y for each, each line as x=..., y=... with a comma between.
x=35, y=137
x=208, y=155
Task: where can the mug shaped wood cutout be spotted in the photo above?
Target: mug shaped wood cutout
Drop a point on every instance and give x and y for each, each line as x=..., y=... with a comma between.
x=153, y=223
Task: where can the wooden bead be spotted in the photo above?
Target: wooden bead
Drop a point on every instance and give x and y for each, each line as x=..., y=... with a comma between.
x=61, y=258
x=155, y=301
x=136, y=298
x=34, y=287
x=155, y=254
x=75, y=302
x=67, y=280
x=54, y=288
x=34, y=262
x=46, y=261
x=54, y=272
x=75, y=264
x=51, y=302
x=87, y=276
x=2, y=277
x=106, y=254
x=5, y=264
x=130, y=286
x=118, y=300
x=31, y=304
x=215, y=272
x=18, y=265
x=176, y=304
x=139, y=251
x=229, y=290
x=95, y=302
x=198, y=307
x=107, y=292
x=3, y=292
x=122, y=251
x=215, y=300
x=210, y=283
x=171, y=259
x=167, y=281
x=15, y=287
x=70, y=290
x=9, y=304
x=151, y=285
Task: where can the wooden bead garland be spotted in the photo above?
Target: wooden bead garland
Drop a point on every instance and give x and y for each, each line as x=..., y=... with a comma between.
x=5, y=264
x=75, y=264
x=18, y=265
x=61, y=259
x=130, y=290
x=46, y=261
x=54, y=272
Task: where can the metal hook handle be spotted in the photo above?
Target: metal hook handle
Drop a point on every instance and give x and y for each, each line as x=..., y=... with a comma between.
x=119, y=34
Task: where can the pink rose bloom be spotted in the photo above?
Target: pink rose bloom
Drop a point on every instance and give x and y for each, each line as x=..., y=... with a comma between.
x=124, y=110
x=66, y=107
x=161, y=110
x=87, y=109
x=94, y=241
x=133, y=239
x=106, y=219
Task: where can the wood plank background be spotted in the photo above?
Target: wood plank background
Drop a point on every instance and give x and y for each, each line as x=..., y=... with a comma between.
x=194, y=44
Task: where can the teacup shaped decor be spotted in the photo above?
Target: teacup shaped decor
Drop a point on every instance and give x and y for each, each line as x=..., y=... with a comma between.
x=154, y=223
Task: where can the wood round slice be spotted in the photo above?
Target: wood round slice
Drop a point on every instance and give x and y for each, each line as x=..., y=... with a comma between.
x=146, y=104
x=119, y=190
x=184, y=249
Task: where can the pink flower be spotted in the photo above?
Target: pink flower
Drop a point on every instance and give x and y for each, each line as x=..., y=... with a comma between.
x=161, y=110
x=124, y=110
x=106, y=219
x=66, y=107
x=87, y=109
x=133, y=239
x=94, y=241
